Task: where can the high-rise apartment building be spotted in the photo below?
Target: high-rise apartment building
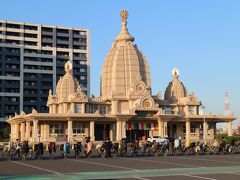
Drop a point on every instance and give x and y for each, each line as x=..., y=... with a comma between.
x=32, y=58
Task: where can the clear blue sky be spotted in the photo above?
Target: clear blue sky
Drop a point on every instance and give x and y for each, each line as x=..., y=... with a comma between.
x=200, y=38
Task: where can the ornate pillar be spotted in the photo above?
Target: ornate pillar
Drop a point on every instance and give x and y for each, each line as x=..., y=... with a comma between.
x=27, y=134
x=230, y=128
x=22, y=129
x=35, y=131
x=188, y=132
x=70, y=131
x=92, y=133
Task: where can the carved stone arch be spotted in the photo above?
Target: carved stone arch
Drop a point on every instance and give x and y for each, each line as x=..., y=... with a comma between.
x=147, y=102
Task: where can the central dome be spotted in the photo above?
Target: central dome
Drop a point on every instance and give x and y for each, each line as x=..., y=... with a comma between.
x=123, y=65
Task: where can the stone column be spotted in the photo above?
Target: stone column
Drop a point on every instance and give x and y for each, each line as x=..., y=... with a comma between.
x=160, y=128
x=124, y=130
x=12, y=132
x=65, y=108
x=111, y=132
x=92, y=133
x=72, y=107
x=205, y=132
x=28, y=129
x=16, y=131
x=118, y=138
x=54, y=108
x=165, y=129
x=230, y=128
x=70, y=131
x=46, y=132
x=41, y=132
x=50, y=109
x=22, y=132
x=188, y=132
x=35, y=131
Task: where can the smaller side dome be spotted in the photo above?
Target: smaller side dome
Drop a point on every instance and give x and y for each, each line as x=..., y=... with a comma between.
x=176, y=89
x=67, y=85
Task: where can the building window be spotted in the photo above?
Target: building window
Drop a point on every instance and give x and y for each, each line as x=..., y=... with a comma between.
x=57, y=130
x=82, y=70
x=79, y=128
x=102, y=109
x=92, y=108
x=83, y=78
x=193, y=128
x=78, y=108
x=168, y=110
x=191, y=110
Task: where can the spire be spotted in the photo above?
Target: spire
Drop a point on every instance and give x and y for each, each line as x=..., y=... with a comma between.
x=226, y=104
x=124, y=36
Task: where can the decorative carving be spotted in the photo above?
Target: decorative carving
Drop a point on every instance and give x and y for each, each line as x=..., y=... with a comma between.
x=146, y=104
x=139, y=87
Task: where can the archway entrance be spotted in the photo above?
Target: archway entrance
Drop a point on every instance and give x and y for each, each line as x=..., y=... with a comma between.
x=102, y=132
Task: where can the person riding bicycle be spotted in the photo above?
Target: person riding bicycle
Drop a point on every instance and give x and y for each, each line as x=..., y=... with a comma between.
x=17, y=149
x=89, y=147
x=108, y=147
x=123, y=146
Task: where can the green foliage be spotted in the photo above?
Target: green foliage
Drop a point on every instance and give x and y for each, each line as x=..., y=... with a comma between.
x=229, y=139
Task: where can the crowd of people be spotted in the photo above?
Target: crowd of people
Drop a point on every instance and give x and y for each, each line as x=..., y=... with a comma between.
x=108, y=149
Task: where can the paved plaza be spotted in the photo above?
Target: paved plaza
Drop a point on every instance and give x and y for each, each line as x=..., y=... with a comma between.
x=180, y=167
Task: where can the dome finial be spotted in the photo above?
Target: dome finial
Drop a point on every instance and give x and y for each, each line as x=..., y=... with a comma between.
x=68, y=67
x=124, y=36
x=124, y=15
x=175, y=73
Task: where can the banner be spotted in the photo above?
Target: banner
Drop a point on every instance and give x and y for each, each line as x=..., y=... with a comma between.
x=142, y=126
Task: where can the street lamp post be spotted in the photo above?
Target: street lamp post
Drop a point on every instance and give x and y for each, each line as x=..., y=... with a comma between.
x=204, y=125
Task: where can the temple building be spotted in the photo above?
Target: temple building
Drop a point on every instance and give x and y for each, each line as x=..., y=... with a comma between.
x=126, y=106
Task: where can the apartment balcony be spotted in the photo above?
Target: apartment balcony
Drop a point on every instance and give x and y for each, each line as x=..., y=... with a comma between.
x=79, y=58
x=62, y=41
x=13, y=53
x=31, y=39
x=79, y=36
x=47, y=40
x=31, y=31
x=12, y=61
x=62, y=57
x=63, y=34
x=47, y=33
x=79, y=43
